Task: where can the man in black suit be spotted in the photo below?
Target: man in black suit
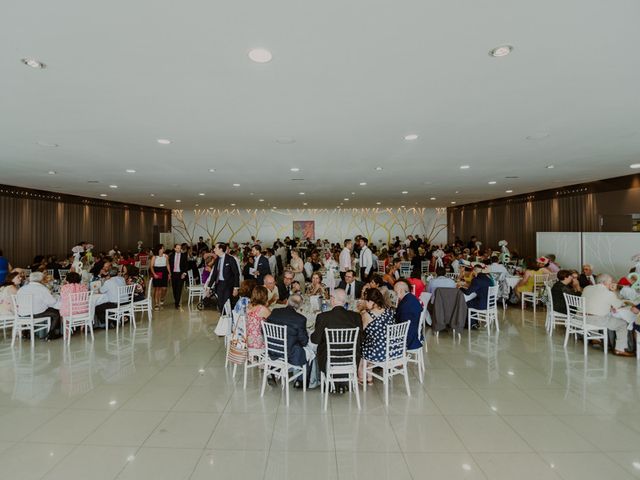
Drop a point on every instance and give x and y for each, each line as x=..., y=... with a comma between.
x=351, y=286
x=337, y=317
x=225, y=276
x=297, y=336
x=587, y=277
x=260, y=265
x=178, y=264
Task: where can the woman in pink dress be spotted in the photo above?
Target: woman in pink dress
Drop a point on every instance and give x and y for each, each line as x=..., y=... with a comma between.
x=257, y=312
x=71, y=286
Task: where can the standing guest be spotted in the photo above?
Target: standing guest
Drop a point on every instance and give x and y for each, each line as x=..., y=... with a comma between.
x=202, y=245
x=5, y=267
x=273, y=262
x=43, y=303
x=160, y=272
x=110, y=289
x=132, y=276
x=587, y=277
x=257, y=312
x=8, y=288
x=260, y=267
x=409, y=308
x=272, y=289
x=375, y=319
x=562, y=286
x=345, y=257
x=337, y=317
x=366, y=260
x=297, y=266
x=178, y=265
x=225, y=278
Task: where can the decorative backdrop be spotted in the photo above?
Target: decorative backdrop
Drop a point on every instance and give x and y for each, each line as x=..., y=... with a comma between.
x=377, y=224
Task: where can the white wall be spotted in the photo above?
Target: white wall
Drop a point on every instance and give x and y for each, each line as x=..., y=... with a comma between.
x=610, y=252
x=566, y=246
x=336, y=225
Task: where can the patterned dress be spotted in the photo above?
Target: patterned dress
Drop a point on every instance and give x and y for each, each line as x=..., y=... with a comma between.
x=375, y=335
x=254, y=329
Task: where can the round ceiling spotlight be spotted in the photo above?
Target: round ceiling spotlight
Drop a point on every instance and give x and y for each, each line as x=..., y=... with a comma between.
x=501, y=51
x=432, y=198
x=492, y=182
x=404, y=192
x=379, y=169
x=260, y=55
x=33, y=63
x=163, y=141
x=103, y=194
x=508, y=191
x=550, y=166
x=363, y=184
x=130, y=170
x=52, y=172
x=411, y=136
x=464, y=167
x=634, y=165
x=294, y=169
x=236, y=184
x=113, y=186
x=212, y=170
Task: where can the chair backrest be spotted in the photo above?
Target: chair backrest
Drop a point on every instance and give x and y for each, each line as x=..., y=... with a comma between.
x=192, y=281
x=396, y=346
x=341, y=346
x=492, y=298
x=549, y=298
x=144, y=261
x=79, y=304
x=125, y=295
x=425, y=297
x=63, y=274
x=575, y=309
x=50, y=272
x=275, y=340
x=452, y=276
x=539, y=281
x=381, y=267
x=405, y=268
x=149, y=290
x=424, y=266
x=22, y=306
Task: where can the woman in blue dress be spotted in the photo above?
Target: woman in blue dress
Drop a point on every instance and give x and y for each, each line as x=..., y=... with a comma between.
x=5, y=268
x=375, y=319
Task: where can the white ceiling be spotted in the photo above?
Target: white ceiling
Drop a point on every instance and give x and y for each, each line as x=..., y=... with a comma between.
x=347, y=81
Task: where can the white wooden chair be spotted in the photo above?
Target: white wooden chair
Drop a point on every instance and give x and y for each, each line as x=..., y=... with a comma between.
x=144, y=265
x=341, y=362
x=143, y=306
x=24, y=321
x=123, y=309
x=577, y=323
x=395, y=362
x=425, y=298
x=276, y=361
x=255, y=356
x=79, y=315
x=381, y=268
x=405, y=269
x=424, y=267
x=452, y=276
x=51, y=272
x=553, y=317
x=63, y=274
x=417, y=355
x=7, y=322
x=194, y=289
x=534, y=296
x=489, y=315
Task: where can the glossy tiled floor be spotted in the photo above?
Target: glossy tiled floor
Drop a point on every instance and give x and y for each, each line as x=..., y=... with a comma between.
x=158, y=404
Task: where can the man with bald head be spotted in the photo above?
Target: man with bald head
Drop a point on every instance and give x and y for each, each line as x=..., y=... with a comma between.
x=272, y=290
x=337, y=317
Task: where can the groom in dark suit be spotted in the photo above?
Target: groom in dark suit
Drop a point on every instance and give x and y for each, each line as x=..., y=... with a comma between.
x=178, y=264
x=225, y=276
x=260, y=265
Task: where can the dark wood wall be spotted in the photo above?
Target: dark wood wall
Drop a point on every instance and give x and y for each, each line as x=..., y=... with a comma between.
x=37, y=222
x=606, y=205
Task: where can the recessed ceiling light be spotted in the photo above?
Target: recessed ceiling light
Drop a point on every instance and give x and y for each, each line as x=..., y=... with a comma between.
x=260, y=55
x=404, y=192
x=285, y=140
x=103, y=194
x=233, y=204
x=378, y=203
x=163, y=141
x=201, y=194
x=551, y=166
x=261, y=200
x=453, y=203
x=47, y=144
x=464, y=167
x=301, y=193
x=501, y=51
x=402, y=206
x=341, y=203
x=508, y=191
x=52, y=172
x=162, y=204
x=363, y=184
x=211, y=170
x=130, y=170
x=411, y=136
x=197, y=204
x=346, y=199
x=457, y=191
x=113, y=186
x=294, y=169
x=379, y=169
x=634, y=165
x=432, y=198
x=274, y=207
x=304, y=203
x=236, y=184
x=152, y=194
x=178, y=201
x=492, y=182
x=33, y=63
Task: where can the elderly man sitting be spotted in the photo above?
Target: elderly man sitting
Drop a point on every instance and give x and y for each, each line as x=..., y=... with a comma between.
x=272, y=290
x=43, y=303
x=600, y=302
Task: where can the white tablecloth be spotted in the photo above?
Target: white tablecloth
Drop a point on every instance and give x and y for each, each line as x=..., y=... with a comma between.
x=512, y=281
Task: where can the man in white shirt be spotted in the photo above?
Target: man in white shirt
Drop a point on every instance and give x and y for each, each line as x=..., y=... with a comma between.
x=110, y=300
x=497, y=267
x=345, y=257
x=273, y=263
x=366, y=260
x=440, y=281
x=600, y=302
x=43, y=304
x=272, y=290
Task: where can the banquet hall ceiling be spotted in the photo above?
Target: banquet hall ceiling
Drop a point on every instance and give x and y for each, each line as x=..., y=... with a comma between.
x=347, y=82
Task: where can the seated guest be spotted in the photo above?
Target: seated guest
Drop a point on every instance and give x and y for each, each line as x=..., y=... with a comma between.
x=441, y=280
x=110, y=300
x=257, y=312
x=8, y=288
x=297, y=336
x=552, y=266
x=351, y=286
x=244, y=296
x=480, y=286
x=101, y=269
x=284, y=287
x=316, y=287
x=600, y=301
x=416, y=281
x=393, y=272
x=72, y=285
x=337, y=317
x=409, y=308
x=562, y=286
x=375, y=318
x=586, y=277
x=272, y=289
x=497, y=267
x=527, y=284
x=378, y=283
x=43, y=304
x=132, y=276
